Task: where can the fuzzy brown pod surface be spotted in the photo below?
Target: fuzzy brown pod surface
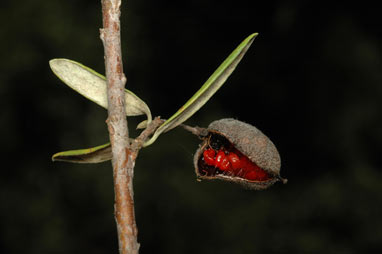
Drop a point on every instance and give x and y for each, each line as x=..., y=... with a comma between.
x=238, y=152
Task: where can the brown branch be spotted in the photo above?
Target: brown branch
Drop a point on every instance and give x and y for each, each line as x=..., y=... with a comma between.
x=137, y=144
x=123, y=160
x=196, y=130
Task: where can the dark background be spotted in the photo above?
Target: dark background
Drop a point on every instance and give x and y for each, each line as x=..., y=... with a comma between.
x=311, y=81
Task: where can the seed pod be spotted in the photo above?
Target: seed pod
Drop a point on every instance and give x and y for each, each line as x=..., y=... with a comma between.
x=250, y=158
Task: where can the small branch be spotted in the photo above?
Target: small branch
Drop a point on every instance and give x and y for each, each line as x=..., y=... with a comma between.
x=123, y=160
x=137, y=144
x=198, y=131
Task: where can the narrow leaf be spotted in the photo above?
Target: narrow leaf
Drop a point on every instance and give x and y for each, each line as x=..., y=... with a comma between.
x=209, y=88
x=89, y=155
x=142, y=125
x=92, y=85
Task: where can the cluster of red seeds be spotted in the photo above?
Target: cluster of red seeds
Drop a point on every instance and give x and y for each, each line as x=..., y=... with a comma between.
x=235, y=164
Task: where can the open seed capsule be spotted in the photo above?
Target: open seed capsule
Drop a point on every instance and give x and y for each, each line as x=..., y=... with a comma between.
x=238, y=152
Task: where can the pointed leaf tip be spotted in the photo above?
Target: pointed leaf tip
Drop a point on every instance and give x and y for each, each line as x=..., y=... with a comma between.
x=208, y=89
x=88, y=155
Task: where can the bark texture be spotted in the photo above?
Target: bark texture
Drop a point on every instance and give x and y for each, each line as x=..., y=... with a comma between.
x=123, y=158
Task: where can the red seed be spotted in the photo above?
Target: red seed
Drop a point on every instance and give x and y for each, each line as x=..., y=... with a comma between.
x=260, y=175
x=219, y=157
x=239, y=166
x=221, y=161
x=246, y=163
x=251, y=171
x=209, y=156
x=254, y=167
x=225, y=165
x=234, y=160
x=251, y=175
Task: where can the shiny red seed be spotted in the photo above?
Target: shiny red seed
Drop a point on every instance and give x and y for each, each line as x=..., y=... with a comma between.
x=219, y=157
x=209, y=156
x=221, y=161
x=225, y=164
x=234, y=160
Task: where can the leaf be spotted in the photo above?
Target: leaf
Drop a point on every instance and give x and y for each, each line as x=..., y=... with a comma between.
x=92, y=85
x=142, y=125
x=209, y=88
x=89, y=155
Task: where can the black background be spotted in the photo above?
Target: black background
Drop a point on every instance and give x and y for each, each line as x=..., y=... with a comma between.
x=311, y=81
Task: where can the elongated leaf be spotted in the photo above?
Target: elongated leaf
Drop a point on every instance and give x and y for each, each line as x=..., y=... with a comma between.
x=209, y=88
x=92, y=85
x=89, y=155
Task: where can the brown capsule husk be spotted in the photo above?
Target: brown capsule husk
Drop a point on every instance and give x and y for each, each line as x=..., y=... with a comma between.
x=252, y=143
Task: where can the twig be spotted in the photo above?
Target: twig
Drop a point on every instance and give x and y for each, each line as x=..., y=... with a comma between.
x=196, y=130
x=137, y=144
x=123, y=160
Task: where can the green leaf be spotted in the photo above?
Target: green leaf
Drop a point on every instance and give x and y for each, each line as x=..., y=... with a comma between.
x=92, y=85
x=89, y=155
x=142, y=125
x=209, y=88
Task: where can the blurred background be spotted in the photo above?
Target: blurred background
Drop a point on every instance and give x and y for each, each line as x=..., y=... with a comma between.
x=312, y=82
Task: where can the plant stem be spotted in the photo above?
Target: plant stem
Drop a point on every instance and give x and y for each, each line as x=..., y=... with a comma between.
x=123, y=159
